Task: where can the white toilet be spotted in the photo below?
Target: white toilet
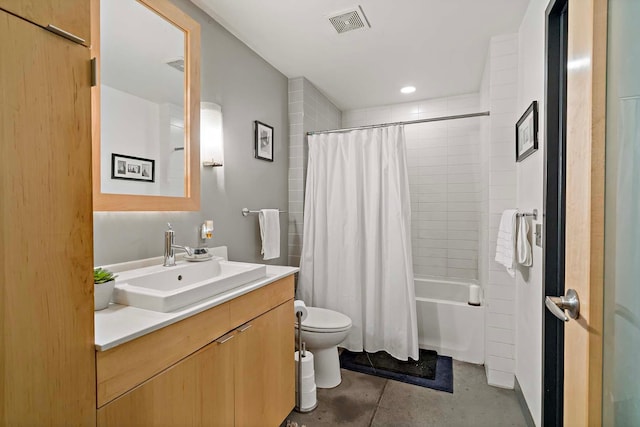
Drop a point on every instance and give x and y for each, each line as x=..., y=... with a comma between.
x=322, y=331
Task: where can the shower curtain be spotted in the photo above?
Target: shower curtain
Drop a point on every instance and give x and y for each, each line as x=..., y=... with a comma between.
x=356, y=253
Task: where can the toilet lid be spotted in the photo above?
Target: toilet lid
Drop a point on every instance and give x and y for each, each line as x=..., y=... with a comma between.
x=321, y=319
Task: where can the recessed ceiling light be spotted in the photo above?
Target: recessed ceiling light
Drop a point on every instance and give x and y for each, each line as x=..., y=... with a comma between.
x=408, y=89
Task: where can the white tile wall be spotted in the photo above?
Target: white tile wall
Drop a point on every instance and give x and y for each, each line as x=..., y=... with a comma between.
x=498, y=177
x=444, y=180
x=309, y=110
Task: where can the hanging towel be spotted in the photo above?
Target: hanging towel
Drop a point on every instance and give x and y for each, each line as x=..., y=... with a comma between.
x=524, y=248
x=506, y=244
x=270, y=233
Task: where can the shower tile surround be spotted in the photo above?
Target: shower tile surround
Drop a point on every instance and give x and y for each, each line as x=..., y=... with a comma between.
x=444, y=179
x=309, y=110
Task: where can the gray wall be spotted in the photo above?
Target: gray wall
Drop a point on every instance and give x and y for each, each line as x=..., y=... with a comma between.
x=248, y=89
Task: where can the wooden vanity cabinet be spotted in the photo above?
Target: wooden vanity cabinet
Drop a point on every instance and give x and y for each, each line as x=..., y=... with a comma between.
x=70, y=16
x=264, y=369
x=47, y=365
x=243, y=378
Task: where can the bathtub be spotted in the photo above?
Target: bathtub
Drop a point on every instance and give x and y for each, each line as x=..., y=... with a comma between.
x=446, y=323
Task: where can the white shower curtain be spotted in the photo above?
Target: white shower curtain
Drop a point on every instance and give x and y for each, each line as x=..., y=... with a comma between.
x=356, y=253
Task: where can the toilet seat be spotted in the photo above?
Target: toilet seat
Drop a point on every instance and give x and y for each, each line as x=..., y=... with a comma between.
x=324, y=320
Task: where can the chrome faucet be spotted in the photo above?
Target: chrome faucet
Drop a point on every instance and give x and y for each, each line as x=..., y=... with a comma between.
x=169, y=246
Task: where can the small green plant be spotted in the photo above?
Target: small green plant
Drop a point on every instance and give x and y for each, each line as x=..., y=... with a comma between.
x=100, y=275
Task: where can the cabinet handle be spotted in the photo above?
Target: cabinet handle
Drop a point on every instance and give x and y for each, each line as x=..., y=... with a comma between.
x=244, y=328
x=223, y=339
x=65, y=34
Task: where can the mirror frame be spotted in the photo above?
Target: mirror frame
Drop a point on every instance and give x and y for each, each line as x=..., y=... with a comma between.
x=133, y=202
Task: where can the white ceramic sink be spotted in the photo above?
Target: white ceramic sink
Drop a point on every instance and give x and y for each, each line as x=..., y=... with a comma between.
x=167, y=289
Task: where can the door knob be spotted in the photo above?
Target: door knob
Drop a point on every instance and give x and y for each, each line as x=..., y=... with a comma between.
x=569, y=302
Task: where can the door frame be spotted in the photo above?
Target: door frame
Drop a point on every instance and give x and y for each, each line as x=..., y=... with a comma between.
x=554, y=208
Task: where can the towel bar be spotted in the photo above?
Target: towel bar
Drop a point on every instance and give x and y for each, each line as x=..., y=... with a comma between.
x=533, y=214
x=246, y=211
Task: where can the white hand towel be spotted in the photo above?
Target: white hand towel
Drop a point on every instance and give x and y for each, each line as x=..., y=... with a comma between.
x=506, y=243
x=270, y=232
x=524, y=248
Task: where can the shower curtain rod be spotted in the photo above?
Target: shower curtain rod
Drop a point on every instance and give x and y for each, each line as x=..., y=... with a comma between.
x=411, y=122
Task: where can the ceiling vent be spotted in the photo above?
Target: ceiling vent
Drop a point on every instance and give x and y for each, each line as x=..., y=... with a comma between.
x=350, y=20
x=177, y=63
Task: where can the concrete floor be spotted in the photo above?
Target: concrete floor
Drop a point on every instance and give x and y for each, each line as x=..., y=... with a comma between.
x=365, y=400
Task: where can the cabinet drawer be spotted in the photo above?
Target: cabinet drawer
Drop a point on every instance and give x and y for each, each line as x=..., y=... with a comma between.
x=253, y=304
x=128, y=365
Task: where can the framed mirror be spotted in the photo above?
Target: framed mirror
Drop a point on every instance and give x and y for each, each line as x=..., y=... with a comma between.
x=145, y=107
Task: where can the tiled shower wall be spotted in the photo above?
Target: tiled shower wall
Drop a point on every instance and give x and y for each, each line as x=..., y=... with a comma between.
x=444, y=179
x=500, y=91
x=309, y=110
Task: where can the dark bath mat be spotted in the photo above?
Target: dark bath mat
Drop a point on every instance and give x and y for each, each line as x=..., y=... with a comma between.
x=430, y=370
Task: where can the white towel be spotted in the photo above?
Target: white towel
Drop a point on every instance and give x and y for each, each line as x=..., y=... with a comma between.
x=506, y=243
x=270, y=232
x=524, y=248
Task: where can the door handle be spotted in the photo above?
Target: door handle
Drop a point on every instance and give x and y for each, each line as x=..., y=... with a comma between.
x=569, y=302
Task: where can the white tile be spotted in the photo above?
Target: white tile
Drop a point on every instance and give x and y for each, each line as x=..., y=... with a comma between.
x=463, y=207
x=430, y=188
x=429, y=261
x=503, y=106
x=507, y=90
x=463, y=188
x=500, y=379
x=462, y=244
x=500, y=335
x=503, y=321
x=379, y=115
x=430, y=225
x=469, y=264
x=431, y=252
x=430, y=216
x=496, y=292
x=432, y=243
x=499, y=306
x=504, y=364
x=501, y=350
x=433, y=170
x=498, y=192
x=421, y=270
x=462, y=235
x=462, y=225
x=463, y=273
x=295, y=84
x=509, y=61
x=503, y=47
x=462, y=216
x=432, y=234
x=466, y=254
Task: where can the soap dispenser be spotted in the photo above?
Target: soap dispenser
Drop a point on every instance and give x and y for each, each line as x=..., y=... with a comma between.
x=205, y=232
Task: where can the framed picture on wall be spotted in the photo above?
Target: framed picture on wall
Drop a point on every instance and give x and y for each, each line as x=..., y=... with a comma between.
x=527, y=133
x=132, y=168
x=263, y=141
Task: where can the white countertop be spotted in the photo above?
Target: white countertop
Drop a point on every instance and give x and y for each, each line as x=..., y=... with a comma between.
x=118, y=324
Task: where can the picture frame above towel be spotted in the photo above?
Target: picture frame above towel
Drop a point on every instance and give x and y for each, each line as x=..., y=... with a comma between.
x=132, y=168
x=527, y=133
x=263, y=141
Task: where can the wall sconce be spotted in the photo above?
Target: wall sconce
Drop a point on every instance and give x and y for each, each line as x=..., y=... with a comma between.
x=211, y=142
